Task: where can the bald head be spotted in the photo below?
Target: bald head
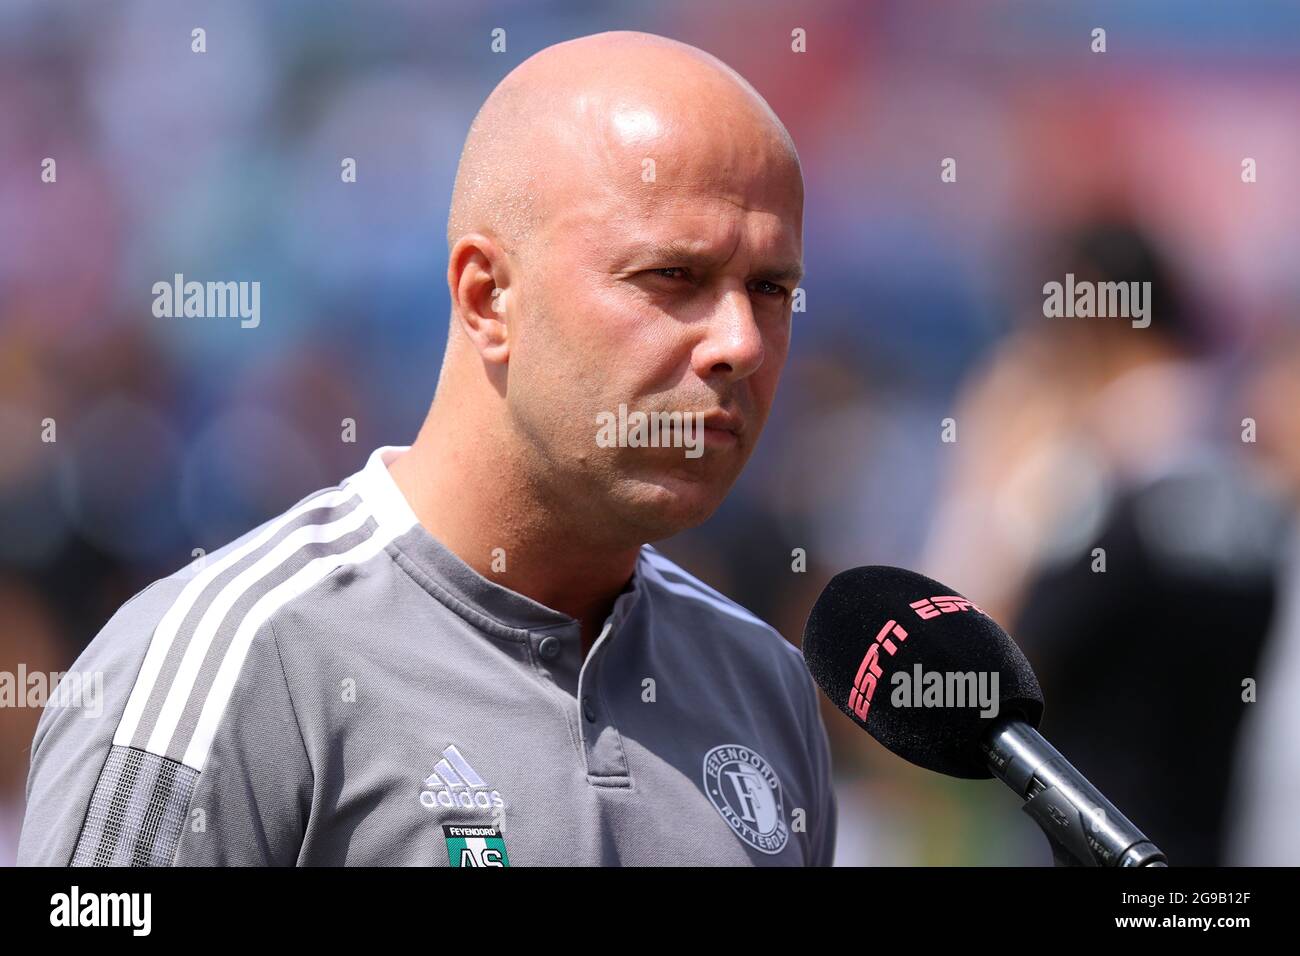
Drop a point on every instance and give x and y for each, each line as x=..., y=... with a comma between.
x=626, y=232
x=587, y=114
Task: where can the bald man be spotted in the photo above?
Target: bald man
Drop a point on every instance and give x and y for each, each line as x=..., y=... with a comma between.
x=467, y=654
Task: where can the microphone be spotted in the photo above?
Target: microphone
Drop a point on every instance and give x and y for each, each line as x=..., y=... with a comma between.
x=938, y=682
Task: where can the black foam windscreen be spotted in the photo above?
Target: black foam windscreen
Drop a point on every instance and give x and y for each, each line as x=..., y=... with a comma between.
x=873, y=643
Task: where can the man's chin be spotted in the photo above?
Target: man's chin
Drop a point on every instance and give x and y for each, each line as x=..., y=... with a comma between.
x=665, y=504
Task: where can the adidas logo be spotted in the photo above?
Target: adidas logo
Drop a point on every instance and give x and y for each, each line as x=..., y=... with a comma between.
x=454, y=783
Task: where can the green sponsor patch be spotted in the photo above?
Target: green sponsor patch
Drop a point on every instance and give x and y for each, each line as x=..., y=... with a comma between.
x=471, y=845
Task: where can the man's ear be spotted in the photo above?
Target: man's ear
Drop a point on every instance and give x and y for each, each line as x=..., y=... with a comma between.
x=478, y=277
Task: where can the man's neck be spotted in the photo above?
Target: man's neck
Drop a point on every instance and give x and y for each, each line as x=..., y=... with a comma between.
x=470, y=503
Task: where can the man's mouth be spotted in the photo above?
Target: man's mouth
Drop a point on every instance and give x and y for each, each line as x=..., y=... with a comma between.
x=724, y=422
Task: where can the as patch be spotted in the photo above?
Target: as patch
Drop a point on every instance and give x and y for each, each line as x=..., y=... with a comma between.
x=469, y=845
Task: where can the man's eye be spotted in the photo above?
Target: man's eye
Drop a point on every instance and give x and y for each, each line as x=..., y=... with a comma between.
x=763, y=286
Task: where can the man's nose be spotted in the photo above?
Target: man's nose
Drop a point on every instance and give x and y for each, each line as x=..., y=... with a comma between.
x=732, y=347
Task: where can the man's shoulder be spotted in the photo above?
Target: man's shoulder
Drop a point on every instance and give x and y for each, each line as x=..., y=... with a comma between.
x=237, y=575
x=220, y=601
x=177, y=653
x=722, y=622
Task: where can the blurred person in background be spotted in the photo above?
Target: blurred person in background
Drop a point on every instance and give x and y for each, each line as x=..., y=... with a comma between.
x=1099, y=511
x=1264, y=829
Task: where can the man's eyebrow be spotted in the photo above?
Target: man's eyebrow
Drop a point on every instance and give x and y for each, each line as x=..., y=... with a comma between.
x=678, y=250
x=791, y=273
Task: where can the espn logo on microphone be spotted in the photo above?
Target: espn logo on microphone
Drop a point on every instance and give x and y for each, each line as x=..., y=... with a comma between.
x=869, y=673
x=864, y=684
x=927, y=608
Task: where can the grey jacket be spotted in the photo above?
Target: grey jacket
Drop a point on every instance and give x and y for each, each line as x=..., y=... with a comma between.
x=336, y=687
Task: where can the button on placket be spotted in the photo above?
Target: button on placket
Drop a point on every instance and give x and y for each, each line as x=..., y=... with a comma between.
x=587, y=674
x=603, y=750
x=555, y=659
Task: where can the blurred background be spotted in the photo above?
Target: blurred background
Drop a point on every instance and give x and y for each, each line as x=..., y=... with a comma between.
x=924, y=303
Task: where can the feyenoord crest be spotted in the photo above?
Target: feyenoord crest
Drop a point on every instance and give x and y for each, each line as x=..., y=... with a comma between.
x=746, y=792
x=470, y=845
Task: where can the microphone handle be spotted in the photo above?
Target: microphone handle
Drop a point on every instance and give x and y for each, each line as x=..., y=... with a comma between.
x=1083, y=827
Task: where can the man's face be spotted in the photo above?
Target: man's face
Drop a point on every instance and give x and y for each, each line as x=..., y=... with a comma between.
x=663, y=287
